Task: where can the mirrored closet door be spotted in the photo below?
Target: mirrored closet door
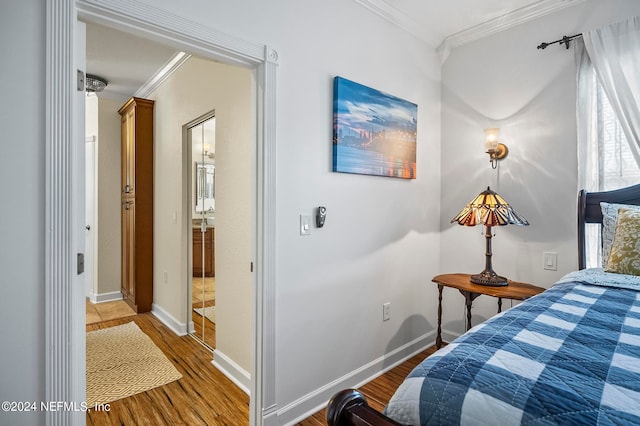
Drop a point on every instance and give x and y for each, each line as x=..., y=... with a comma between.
x=202, y=302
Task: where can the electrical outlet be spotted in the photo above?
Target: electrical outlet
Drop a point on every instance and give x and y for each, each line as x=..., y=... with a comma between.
x=386, y=311
x=166, y=277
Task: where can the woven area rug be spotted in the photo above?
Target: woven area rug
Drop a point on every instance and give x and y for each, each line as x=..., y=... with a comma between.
x=209, y=313
x=123, y=361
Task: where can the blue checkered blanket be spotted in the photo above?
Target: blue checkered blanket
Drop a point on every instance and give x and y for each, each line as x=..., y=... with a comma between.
x=570, y=355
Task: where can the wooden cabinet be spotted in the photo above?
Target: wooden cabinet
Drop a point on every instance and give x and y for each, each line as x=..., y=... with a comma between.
x=137, y=203
x=128, y=254
x=128, y=138
x=208, y=264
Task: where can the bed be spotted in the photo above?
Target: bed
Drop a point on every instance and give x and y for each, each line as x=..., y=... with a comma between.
x=570, y=355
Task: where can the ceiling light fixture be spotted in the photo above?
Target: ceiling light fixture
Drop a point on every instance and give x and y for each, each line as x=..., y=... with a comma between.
x=95, y=84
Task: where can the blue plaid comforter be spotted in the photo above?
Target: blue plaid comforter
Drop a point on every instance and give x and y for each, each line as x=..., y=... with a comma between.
x=570, y=355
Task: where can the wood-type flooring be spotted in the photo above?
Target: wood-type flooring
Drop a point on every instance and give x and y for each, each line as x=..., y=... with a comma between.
x=204, y=396
x=378, y=392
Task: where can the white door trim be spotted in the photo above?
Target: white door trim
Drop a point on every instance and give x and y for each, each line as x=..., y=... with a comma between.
x=63, y=341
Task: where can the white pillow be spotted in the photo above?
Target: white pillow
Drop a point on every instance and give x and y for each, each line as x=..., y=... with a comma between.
x=609, y=219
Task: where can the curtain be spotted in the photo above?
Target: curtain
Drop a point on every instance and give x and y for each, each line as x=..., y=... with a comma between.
x=614, y=51
x=608, y=113
x=588, y=143
x=587, y=121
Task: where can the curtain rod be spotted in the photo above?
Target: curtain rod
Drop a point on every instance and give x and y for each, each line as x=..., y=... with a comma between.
x=564, y=40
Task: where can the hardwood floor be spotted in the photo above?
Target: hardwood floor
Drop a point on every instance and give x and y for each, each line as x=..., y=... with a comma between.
x=378, y=391
x=107, y=311
x=203, y=294
x=204, y=329
x=204, y=396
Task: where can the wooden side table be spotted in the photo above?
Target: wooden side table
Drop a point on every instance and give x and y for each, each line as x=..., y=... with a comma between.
x=470, y=291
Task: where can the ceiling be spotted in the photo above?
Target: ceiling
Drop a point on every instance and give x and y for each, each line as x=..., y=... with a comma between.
x=129, y=62
x=446, y=24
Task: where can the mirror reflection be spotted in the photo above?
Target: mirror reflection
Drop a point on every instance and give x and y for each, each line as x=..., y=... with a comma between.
x=205, y=178
x=202, y=282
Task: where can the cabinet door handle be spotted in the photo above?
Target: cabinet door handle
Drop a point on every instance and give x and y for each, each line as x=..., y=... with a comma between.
x=127, y=188
x=126, y=206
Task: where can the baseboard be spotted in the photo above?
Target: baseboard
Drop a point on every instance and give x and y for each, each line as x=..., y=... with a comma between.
x=167, y=319
x=192, y=327
x=105, y=297
x=233, y=371
x=449, y=336
x=315, y=401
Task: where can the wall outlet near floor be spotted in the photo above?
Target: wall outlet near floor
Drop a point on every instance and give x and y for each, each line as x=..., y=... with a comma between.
x=166, y=277
x=386, y=311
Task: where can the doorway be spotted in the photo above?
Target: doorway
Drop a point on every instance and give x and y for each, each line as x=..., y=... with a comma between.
x=65, y=361
x=201, y=301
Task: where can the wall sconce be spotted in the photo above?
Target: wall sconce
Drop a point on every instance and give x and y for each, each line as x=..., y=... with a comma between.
x=496, y=150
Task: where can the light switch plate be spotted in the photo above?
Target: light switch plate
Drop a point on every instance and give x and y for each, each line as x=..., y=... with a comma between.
x=550, y=261
x=305, y=224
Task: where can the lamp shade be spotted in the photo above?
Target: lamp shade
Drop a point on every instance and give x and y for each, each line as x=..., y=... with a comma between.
x=491, y=138
x=489, y=209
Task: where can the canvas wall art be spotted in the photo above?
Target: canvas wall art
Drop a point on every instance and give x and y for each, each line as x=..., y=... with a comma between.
x=374, y=133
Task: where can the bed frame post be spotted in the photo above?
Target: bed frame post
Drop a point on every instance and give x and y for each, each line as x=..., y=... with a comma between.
x=349, y=407
x=582, y=207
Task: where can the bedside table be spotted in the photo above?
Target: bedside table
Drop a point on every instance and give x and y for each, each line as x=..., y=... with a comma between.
x=470, y=291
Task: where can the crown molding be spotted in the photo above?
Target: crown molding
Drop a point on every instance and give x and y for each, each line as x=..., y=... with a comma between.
x=495, y=25
x=162, y=74
x=401, y=20
x=504, y=22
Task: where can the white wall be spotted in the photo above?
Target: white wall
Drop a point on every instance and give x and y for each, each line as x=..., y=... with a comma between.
x=198, y=87
x=504, y=81
x=381, y=238
x=109, y=191
x=103, y=121
x=91, y=116
x=22, y=218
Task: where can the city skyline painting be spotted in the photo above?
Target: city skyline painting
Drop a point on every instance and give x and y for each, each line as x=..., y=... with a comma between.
x=374, y=133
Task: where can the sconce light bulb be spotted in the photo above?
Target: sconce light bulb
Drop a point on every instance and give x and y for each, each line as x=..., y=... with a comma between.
x=491, y=138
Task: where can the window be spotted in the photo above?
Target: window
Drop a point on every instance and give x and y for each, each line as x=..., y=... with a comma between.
x=618, y=167
x=607, y=161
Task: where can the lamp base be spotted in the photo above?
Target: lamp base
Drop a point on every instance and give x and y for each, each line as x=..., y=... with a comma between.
x=489, y=278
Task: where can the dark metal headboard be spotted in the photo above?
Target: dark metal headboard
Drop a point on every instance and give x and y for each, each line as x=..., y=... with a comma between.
x=589, y=211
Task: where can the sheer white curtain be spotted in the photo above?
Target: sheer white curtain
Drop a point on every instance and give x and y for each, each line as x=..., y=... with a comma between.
x=608, y=113
x=615, y=53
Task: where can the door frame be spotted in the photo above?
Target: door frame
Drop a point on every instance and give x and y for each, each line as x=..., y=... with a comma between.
x=65, y=333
